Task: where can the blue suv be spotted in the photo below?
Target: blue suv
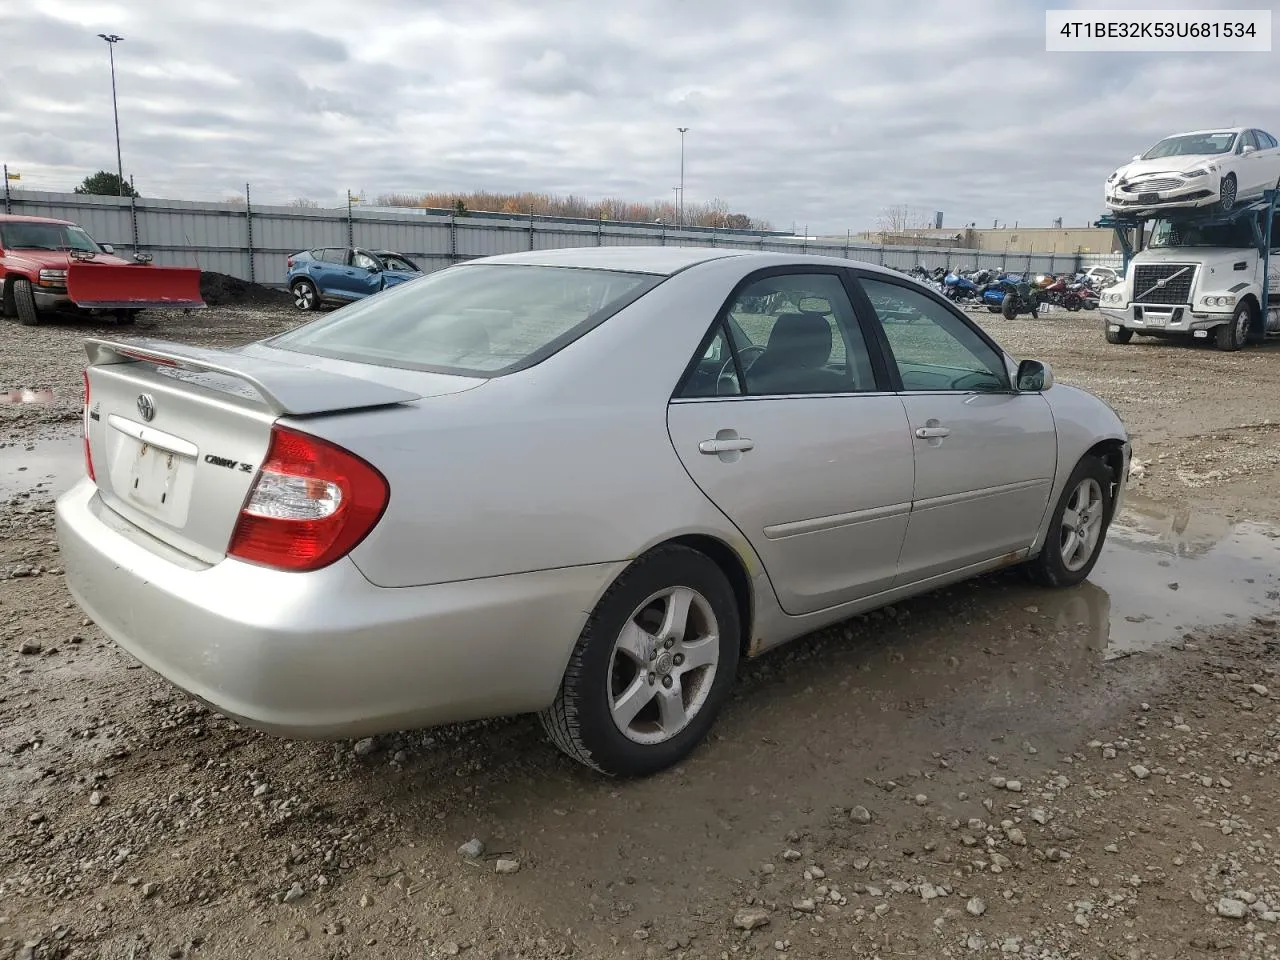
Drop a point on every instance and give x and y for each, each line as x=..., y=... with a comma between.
x=341, y=274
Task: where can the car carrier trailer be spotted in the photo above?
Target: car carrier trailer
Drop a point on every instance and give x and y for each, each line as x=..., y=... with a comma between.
x=1215, y=277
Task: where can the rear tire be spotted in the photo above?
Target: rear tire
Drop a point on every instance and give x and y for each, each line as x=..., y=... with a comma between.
x=1233, y=335
x=586, y=719
x=24, y=303
x=1068, y=555
x=126, y=318
x=305, y=295
x=1009, y=306
x=1123, y=335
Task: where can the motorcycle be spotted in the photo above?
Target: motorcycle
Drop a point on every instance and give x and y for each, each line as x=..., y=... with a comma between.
x=1061, y=294
x=958, y=287
x=1011, y=294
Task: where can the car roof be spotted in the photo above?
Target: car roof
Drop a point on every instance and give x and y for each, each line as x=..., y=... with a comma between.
x=17, y=218
x=637, y=259
x=666, y=261
x=1198, y=133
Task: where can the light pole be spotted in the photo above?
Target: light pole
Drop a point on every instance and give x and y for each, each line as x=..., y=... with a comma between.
x=676, y=198
x=112, y=39
x=683, y=131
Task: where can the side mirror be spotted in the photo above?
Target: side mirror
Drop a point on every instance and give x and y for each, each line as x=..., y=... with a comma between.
x=1247, y=149
x=1034, y=376
x=107, y=248
x=1136, y=157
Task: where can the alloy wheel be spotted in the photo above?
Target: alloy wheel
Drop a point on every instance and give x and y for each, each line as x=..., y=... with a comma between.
x=663, y=665
x=1081, y=524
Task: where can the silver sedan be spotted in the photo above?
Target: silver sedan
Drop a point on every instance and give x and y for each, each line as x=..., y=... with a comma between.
x=584, y=483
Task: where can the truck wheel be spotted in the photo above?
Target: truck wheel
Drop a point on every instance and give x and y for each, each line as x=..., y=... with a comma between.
x=24, y=302
x=1234, y=335
x=1227, y=193
x=1123, y=335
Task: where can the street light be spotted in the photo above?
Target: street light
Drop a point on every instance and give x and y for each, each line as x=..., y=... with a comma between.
x=683, y=131
x=112, y=39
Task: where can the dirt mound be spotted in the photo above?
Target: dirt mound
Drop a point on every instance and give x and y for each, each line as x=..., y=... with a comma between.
x=219, y=289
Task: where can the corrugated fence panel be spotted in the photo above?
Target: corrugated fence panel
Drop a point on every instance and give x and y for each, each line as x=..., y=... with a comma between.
x=215, y=236
x=483, y=240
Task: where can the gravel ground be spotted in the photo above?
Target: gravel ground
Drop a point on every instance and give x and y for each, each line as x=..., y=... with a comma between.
x=991, y=770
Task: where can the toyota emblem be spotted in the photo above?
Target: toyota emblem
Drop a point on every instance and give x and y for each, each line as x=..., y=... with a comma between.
x=146, y=406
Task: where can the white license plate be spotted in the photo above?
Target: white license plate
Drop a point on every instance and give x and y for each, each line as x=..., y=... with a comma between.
x=155, y=481
x=1155, y=320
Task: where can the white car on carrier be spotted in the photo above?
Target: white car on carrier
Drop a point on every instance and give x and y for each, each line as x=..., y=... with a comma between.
x=1205, y=168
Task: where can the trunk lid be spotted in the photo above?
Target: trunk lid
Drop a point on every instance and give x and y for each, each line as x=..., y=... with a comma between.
x=177, y=433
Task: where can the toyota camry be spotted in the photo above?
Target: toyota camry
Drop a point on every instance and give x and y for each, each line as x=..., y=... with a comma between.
x=581, y=483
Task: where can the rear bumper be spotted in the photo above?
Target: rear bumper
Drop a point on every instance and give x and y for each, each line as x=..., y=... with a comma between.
x=326, y=654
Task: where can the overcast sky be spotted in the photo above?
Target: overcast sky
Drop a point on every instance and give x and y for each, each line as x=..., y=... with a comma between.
x=817, y=112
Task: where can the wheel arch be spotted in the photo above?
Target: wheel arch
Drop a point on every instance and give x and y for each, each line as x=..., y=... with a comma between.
x=1111, y=453
x=731, y=564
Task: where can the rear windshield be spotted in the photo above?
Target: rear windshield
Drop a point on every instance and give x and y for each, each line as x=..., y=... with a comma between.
x=475, y=320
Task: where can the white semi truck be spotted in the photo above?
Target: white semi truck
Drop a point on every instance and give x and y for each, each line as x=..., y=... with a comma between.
x=1200, y=275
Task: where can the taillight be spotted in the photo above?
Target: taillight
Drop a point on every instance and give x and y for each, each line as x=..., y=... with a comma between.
x=290, y=264
x=310, y=504
x=84, y=417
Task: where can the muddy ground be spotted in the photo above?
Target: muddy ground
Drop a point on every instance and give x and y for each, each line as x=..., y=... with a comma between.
x=993, y=770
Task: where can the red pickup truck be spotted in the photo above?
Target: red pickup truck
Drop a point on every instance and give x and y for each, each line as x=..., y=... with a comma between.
x=54, y=265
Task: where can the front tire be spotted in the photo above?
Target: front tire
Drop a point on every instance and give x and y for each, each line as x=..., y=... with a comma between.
x=1233, y=335
x=1227, y=193
x=1078, y=528
x=24, y=302
x=652, y=667
x=1123, y=335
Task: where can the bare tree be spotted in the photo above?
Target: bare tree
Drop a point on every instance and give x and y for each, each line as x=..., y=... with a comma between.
x=304, y=203
x=900, y=218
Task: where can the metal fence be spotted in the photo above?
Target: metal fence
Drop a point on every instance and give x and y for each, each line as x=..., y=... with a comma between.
x=254, y=242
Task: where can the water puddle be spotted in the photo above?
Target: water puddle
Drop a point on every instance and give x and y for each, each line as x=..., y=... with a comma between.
x=1166, y=570
x=26, y=395
x=50, y=466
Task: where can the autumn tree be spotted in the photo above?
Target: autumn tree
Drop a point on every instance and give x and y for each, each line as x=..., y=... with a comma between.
x=714, y=213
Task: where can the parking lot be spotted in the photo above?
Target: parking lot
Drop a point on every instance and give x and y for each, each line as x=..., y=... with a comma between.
x=990, y=770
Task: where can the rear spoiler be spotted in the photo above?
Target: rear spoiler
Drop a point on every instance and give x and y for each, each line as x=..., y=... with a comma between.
x=287, y=389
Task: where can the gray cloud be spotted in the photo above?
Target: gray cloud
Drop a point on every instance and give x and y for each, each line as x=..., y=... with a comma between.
x=817, y=112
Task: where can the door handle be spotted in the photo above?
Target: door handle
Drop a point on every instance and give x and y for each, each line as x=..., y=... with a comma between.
x=727, y=445
x=928, y=433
